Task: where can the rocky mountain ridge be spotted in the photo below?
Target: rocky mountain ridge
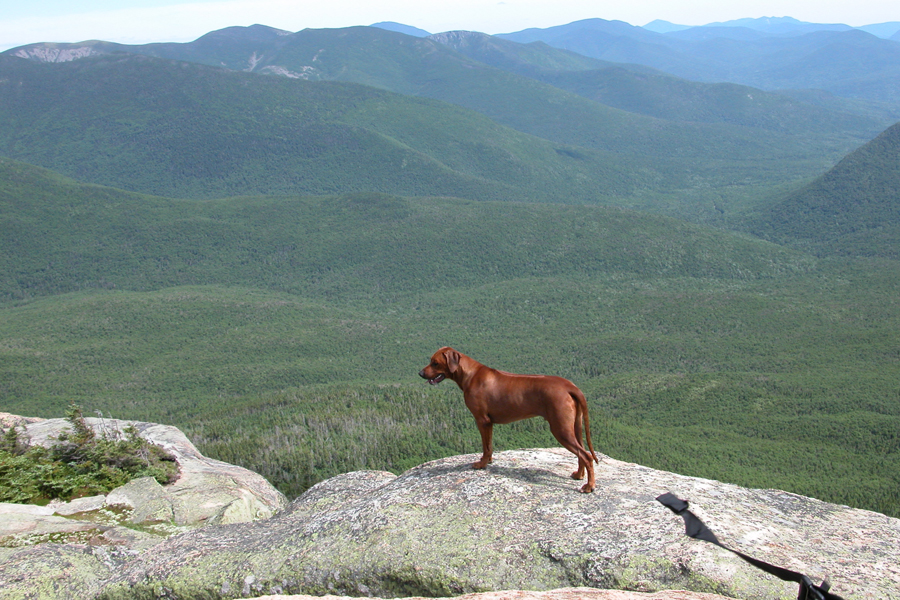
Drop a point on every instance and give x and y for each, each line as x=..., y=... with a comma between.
x=443, y=529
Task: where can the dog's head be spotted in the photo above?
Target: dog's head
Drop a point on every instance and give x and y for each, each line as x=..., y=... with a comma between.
x=444, y=363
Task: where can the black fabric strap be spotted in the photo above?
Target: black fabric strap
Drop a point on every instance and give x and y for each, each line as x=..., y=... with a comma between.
x=695, y=528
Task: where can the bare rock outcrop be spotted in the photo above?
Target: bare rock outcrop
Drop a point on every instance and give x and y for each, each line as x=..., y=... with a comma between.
x=142, y=512
x=207, y=491
x=438, y=530
x=70, y=549
x=56, y=53
x=443, y=529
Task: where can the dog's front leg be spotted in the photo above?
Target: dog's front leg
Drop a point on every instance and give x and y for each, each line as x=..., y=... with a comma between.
x=486, y=429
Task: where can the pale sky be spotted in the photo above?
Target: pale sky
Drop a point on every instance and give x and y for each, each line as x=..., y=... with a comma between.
x=144, y=21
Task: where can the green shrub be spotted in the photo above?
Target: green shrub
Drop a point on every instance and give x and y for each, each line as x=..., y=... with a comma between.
x=81, y=463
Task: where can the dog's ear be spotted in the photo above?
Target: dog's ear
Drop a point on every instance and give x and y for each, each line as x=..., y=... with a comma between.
x=452, y=358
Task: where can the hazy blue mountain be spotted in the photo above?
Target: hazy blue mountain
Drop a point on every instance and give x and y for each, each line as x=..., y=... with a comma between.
x=781, y=25
x=614, y=41
x=660, y=26
x=850, y=63
x=647, y=91
x=712, y=32
x=521, y=58
x=775, y=26
x=401, y=28
x=882, y=30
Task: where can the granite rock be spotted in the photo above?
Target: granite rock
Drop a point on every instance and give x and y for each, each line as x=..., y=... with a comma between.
x=443, y=529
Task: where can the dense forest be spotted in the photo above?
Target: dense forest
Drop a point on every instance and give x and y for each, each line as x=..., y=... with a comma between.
x=285, y=334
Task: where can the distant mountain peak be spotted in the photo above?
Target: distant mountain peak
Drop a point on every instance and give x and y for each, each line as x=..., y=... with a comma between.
x=775, y=25
x=401, y=28
x=455, y=38
x=755, y=23
x=660, y=26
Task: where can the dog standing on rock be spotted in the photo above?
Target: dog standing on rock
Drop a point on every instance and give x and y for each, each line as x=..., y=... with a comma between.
x=494, y=396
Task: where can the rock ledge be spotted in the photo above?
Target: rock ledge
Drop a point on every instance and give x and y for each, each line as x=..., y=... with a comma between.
x=443, y=530
x=207, y=492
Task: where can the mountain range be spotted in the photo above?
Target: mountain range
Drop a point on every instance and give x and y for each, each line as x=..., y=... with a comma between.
x=459, y=114
x=846, y=62
x=770, y=54
x=605, y=129
x=187, y=130
x=781, y=26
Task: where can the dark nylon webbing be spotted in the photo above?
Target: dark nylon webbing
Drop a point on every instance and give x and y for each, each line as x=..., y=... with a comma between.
x=695, y=528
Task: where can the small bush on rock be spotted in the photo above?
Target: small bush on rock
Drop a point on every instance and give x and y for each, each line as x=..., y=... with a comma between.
x=81, y=463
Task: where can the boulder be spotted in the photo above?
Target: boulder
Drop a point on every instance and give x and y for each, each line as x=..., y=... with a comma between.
x=443, y=529
x=148, y=500
x=11, y=420
x=24, y=524
x=206, y=491
x=78, y=505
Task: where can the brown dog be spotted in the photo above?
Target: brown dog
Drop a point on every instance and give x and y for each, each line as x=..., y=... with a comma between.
x=497, y=397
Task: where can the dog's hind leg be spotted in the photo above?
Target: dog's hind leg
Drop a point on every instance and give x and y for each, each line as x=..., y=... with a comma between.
x=564, y=431
x=582, y=466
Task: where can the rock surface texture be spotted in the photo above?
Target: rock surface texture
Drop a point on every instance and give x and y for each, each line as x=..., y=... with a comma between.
x=68, y=549
x=443, y=529
x=562, y=594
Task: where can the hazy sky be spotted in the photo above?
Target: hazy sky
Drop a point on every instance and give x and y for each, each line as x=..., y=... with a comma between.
x=143, y=21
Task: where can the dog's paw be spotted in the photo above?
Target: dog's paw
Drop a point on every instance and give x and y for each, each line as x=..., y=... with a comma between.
x=587, y=489
x=578, y=475
x=480, y=464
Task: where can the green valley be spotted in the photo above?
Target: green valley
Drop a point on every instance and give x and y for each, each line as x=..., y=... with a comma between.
x=285, y=333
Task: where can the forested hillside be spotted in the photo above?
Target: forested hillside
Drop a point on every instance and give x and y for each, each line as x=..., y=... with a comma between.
x=853, y=209
x=721, y=136
x=62, y=236
x=285, y=334
x=192, y=131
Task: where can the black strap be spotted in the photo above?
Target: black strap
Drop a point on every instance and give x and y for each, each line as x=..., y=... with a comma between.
x=695, y=528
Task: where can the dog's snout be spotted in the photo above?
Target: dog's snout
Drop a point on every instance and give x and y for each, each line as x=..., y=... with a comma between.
x=422, y=373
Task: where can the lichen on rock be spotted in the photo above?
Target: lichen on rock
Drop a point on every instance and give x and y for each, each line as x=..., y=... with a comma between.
x=443, y=529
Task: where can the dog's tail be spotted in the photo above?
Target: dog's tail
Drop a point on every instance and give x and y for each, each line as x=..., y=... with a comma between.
x=582, y=407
